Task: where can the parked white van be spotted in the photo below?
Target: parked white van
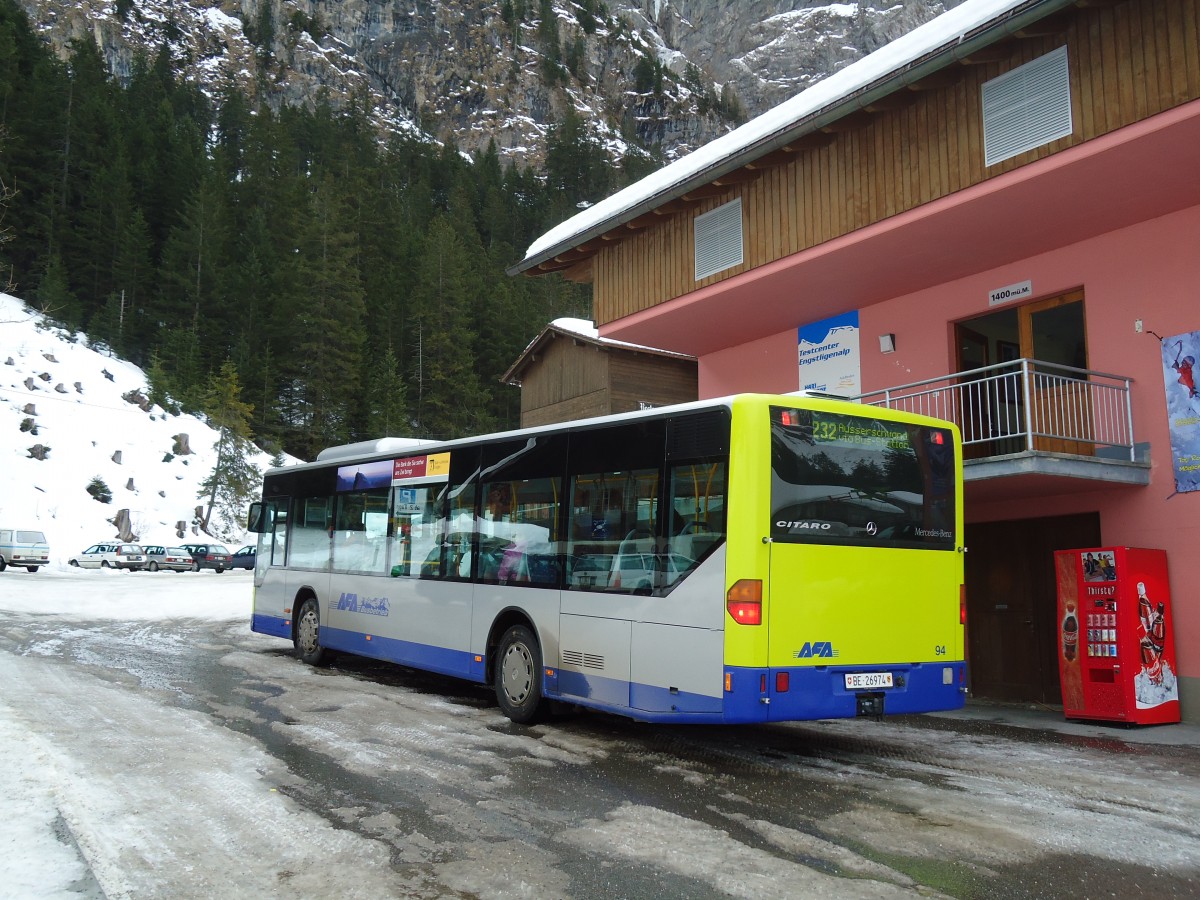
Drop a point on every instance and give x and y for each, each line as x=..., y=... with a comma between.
x=23, y=548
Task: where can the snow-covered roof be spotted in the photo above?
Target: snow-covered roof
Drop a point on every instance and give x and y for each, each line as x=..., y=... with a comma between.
x=579, y=329
x=934, y=45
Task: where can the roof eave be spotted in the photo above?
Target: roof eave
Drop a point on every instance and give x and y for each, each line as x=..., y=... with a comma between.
x=998, y=29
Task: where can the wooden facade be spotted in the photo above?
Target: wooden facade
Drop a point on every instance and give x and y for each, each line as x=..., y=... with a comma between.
x=566, y=376
x=1127, y=61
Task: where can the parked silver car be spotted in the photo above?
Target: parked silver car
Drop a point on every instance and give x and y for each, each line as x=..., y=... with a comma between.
x=173, y=559
x=130, y=557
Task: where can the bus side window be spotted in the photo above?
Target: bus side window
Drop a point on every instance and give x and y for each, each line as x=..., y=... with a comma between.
x=697, y=516
x=451, y=556
x=612, y=541
x=518, y=532
x=310, y=536
x=414, y=531
x=276, y=551
x=613, y=495
x=360, y=532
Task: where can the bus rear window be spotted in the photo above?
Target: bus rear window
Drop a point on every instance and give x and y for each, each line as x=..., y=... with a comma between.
x=861, y=481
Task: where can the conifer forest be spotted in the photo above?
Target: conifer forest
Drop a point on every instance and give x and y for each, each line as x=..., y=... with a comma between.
x=352, y=283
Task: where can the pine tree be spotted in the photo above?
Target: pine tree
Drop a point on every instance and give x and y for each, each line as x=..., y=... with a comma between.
x=577, y=167
x=234, y=479
x=450, y=401
x=329, y=328
x=159, y=385
x=54, y=296
x=548, y=38
x=386, y=398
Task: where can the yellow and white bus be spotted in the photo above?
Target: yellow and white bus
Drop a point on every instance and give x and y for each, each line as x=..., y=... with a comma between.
x=756, y=558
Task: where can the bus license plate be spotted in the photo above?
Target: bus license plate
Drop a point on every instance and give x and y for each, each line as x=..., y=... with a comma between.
x=857, y=681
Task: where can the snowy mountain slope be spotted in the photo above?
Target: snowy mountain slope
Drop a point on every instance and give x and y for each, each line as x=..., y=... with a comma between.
x=462, y=70
x=72, y=395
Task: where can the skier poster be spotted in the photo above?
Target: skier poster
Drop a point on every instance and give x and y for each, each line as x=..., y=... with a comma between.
x=1179, y=355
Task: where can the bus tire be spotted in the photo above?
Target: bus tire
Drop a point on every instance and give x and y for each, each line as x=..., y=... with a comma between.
x=32, y=568
x=518, y=676
x=3, y=564
x=308, y=633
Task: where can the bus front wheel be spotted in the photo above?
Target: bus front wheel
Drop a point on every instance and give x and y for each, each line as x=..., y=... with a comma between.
x=308, y=632
x=519, y=676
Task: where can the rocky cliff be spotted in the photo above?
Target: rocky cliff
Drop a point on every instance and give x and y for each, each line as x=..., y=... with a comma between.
x=659, y=75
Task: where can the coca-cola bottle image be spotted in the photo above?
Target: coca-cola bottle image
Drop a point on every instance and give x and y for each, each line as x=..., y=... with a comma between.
x=1144, y=612
x=1153, y=643
x=1158, y=627
x=1070, y=634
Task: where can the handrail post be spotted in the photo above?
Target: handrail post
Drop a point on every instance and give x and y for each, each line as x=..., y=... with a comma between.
x=1129, y=423
x=1028, y=405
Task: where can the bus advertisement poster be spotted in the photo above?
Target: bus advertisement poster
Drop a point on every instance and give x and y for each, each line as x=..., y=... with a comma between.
x=435, y=466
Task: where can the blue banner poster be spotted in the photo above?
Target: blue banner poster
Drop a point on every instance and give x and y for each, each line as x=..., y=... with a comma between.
x=828, y=355
x=1179, y=355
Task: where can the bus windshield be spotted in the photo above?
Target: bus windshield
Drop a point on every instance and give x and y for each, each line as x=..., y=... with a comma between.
x=860, y=481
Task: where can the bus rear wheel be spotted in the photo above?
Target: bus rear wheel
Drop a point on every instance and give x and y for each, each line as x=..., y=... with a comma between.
x=519, y=676
x=308, y=633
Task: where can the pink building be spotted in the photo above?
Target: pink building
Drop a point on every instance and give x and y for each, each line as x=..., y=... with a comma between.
x=997, y=219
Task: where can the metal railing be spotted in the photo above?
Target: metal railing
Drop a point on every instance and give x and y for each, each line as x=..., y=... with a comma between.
x=1025, y=405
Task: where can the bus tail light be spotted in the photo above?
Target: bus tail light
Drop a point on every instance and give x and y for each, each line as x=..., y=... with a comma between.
x=962, y=604
x=744, y=601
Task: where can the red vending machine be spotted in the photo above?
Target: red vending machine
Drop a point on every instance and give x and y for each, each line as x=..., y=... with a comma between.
x=1116, y=653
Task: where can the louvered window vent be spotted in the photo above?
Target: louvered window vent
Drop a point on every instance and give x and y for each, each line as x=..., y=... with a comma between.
x=719, y=239
x=1027, y=107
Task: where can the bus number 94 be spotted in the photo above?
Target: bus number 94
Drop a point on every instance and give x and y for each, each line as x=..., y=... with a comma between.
x=940, y=650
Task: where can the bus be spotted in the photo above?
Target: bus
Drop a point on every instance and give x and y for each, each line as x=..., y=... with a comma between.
x=756, y=558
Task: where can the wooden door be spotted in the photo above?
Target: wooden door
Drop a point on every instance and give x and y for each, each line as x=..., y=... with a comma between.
x=1053, y=331
x=1012, y=622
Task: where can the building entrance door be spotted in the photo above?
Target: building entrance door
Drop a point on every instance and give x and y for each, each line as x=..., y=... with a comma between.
x=1012, y=623
x=1051, y=330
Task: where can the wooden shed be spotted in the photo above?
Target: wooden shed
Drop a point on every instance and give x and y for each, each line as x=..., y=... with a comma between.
x=568, y=372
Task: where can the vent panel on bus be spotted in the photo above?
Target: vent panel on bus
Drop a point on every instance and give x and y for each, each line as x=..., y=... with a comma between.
x=694, y=437
x=582, y=660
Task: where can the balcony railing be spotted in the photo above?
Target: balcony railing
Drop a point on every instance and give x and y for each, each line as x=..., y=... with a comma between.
x=1023, y=406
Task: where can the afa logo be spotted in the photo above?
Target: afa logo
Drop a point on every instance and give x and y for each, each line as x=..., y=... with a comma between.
x=816, y=650
x=371, y=606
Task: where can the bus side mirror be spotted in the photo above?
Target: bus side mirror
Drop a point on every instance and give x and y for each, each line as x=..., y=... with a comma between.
x=256, y=522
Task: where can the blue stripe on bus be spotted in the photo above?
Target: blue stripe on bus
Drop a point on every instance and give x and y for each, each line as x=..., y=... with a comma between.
x=459, y=663
x=649, y=702
x=813, y=693
x=276, y=626
x=820, y=693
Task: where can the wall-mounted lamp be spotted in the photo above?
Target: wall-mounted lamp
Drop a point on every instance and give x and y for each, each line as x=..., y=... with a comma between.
x=887, y=343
